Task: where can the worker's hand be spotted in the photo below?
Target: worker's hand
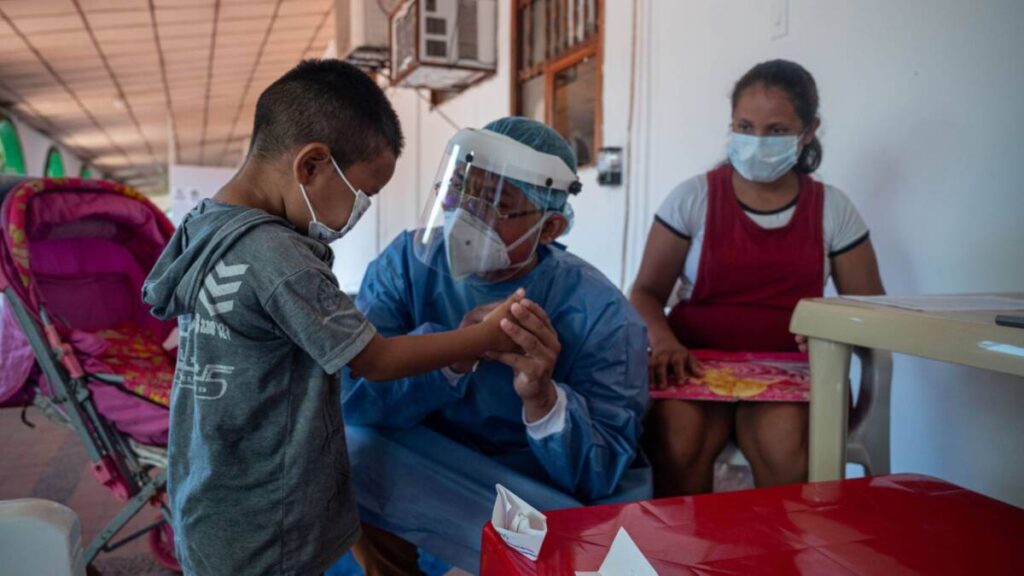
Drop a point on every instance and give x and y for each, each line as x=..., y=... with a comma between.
x=801, y=342
x=472, y=318
x=671, y=362
x=534, y=364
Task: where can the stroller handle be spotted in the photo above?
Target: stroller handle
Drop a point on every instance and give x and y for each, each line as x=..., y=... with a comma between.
x=62, y=349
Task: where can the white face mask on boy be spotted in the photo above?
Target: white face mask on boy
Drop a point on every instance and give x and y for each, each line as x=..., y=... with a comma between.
x=318, y=230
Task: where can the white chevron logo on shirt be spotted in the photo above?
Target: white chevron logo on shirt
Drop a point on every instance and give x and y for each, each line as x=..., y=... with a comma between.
x=215, y=289
x=225, y=271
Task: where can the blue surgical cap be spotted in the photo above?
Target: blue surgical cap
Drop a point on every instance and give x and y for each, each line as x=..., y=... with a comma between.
x=541, y=138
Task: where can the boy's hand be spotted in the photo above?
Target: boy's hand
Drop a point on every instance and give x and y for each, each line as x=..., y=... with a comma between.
x=472, y=318
x=493, y=320
x=171, y=342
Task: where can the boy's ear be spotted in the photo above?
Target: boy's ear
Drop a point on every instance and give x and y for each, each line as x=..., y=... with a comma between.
x=553, y=228
x=311, y=158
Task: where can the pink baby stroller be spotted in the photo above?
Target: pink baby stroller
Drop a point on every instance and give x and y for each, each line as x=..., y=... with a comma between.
x=77, y=341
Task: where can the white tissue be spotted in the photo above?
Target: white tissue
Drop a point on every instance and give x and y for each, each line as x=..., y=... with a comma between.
x=520, y=525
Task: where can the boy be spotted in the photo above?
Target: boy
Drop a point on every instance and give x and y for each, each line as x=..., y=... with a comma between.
x=258, y=476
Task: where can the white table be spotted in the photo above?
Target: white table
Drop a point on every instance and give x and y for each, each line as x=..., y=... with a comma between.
x=834, y=325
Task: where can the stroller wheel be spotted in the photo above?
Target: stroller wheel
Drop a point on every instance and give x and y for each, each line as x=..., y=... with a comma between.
x=161, y=545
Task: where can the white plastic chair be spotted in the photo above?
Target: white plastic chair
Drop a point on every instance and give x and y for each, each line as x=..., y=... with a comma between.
x=40, y=538
x=867, y=443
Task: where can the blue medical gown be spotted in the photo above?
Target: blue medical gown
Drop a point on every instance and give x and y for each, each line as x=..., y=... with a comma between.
x=426, y=453
x=602, y=368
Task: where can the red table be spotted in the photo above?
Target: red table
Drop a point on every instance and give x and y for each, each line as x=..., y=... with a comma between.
x=900, y=524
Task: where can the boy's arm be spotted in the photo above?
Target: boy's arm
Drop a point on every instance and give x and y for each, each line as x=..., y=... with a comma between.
x=320, y=319
x=402, y=402
x=310, y=310
x=400, y=356
x=388, y=297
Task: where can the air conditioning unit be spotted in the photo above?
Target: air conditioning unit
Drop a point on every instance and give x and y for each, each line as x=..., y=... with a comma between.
x=361, y=32
x=443, y=45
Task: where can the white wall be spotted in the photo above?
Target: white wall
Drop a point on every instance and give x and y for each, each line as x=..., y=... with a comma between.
x=597, y=235
x=34, y=147
x=189, y=185
x=921, y=116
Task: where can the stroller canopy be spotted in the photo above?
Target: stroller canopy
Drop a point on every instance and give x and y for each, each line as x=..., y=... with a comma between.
x=81, y=249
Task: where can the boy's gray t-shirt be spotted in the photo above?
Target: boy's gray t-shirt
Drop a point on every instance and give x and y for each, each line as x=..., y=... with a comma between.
x=259, y=475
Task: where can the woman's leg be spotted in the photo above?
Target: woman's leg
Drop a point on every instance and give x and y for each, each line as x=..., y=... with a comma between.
x=683, y=440
x=773, y=437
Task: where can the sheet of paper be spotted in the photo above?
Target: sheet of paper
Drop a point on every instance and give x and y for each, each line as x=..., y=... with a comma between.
x=624, y=559
x=520, y=525
x=965, y=303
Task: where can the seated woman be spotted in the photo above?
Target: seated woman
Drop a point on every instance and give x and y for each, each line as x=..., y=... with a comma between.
x=749, y=239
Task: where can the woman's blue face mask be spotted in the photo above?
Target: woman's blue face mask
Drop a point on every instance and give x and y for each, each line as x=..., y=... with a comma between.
x=763, y=158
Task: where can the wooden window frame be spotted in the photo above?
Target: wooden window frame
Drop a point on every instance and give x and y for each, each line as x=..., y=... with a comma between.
x=550, y=67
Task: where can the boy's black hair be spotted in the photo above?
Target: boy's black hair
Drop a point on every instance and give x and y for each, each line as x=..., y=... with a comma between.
x=326, y=101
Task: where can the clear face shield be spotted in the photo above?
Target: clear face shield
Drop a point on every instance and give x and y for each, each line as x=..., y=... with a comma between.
x=488, y=205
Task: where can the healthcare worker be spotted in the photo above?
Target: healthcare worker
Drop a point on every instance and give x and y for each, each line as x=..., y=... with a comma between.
x=558, y=422
x=748, y=239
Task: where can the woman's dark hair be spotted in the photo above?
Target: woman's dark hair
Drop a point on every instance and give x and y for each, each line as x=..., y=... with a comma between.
x=798, y=83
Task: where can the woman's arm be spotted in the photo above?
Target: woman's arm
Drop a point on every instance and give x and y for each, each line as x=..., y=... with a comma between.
x=664, y=256
x=856, y=273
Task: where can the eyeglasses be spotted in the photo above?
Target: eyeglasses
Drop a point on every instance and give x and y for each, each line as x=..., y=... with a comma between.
x=455, y=197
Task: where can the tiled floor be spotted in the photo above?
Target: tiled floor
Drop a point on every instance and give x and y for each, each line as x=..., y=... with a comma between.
x=50, y=462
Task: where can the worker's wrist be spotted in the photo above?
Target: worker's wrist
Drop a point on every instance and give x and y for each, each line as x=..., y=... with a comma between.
x=538, y=406
x=551, y=423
